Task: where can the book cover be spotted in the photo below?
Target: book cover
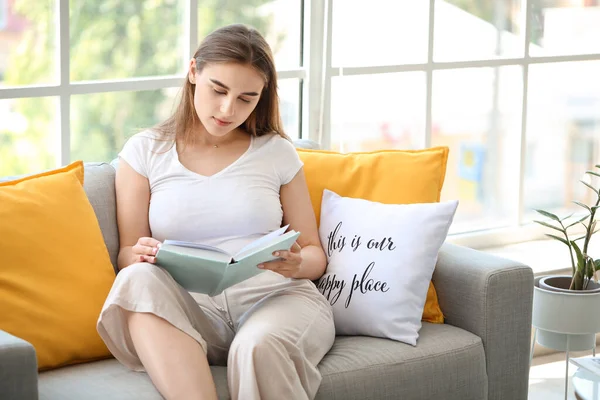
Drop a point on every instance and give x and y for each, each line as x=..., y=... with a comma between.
x=206, y=269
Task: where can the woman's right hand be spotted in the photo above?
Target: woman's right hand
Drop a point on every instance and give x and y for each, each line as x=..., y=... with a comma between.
x=145, y=250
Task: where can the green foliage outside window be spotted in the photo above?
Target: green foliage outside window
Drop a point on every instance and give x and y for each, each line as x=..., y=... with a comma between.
x=109, y=39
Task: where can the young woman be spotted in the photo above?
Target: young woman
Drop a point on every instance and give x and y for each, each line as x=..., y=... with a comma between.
x=219, y=171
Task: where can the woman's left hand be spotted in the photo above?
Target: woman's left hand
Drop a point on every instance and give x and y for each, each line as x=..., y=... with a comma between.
x=288, y=263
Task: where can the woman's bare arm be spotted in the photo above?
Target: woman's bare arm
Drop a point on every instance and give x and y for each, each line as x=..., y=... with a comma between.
x=299, y=214
x=133, y=199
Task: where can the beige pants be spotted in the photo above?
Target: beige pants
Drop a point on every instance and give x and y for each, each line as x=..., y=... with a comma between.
x=270, y=331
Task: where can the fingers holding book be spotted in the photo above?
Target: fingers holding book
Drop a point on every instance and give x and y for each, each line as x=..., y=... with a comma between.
x=287, y=263
x=145, y=250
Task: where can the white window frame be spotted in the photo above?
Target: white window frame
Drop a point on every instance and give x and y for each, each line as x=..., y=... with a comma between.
x=64, y=89
x=3, y=13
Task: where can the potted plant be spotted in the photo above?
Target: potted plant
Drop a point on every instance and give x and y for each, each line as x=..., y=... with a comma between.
x=561, y=304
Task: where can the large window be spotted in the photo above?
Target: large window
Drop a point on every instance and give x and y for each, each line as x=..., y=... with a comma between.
x=77, y=78
x=511, y=86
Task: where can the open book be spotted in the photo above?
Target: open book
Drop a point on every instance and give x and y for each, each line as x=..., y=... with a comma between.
x=210, y=270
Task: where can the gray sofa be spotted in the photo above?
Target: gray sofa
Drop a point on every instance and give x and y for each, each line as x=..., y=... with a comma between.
x=481, y=352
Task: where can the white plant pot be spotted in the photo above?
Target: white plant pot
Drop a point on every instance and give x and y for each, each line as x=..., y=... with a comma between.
x=565, y=318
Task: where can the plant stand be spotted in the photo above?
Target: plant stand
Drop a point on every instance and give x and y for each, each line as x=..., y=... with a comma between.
x=559, y=323
x=562, y=342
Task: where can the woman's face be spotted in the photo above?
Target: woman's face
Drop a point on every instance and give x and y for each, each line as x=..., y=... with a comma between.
x=225, y=95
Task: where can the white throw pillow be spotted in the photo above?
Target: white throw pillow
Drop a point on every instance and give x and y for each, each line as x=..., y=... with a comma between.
x=380, y=261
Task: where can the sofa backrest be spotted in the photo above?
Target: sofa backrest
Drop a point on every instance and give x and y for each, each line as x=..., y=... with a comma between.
x=99, y=185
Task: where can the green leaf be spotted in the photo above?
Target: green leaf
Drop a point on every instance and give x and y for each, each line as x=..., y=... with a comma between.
x=597, y=264
x=589, y=267
x=580, y=204
x=580, y=259
x=547, y=225
x=578, y=221
x=590, y=186
x=558, y=238
x=593, y=173
x=549, y=215
x=567, y=217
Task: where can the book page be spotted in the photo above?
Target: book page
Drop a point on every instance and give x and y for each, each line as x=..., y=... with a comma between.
x=260, y=242
x=246, y=267
x=198, y=252
x=193, y=245
x=264, y=252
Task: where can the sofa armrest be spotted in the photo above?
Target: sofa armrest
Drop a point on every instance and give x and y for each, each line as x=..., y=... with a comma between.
x=492, y=298
x=18, y=369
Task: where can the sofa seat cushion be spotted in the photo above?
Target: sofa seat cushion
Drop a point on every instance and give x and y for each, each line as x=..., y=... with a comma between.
x=108, y=379
x=447, y=363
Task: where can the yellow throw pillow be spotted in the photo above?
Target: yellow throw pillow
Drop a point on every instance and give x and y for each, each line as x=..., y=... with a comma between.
x=55, y=271
x=385, y=176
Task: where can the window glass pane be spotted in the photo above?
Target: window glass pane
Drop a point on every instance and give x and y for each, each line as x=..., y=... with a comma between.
x=289, y=107
x=29, y=135
x=102, y=122
x=477, y=29
x=384, y=111
x=561, y=27
x=477, y=113
x=123, y=39
x=563, y=136
x=3, y=12
x=28, y=42
x=379, y=32
x=278, y=21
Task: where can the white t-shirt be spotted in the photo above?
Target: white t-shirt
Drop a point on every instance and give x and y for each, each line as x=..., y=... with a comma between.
x=228, y=209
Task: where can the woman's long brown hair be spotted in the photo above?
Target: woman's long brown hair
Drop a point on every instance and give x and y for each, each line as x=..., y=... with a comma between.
x=230, y=44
